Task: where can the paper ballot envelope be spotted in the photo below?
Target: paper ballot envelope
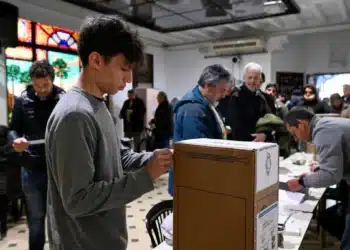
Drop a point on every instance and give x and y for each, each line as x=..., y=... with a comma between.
x=36, y=142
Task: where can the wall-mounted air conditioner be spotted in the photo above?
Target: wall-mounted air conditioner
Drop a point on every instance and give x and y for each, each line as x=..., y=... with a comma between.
x=234, y=47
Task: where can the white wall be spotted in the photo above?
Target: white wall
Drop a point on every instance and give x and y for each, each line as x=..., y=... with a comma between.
x=319, y=48
x=159, y=77
x=183, y=68
x=290, y=59
x=312, y=54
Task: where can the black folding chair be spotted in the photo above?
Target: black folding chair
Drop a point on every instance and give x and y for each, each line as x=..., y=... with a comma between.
x=154, y=219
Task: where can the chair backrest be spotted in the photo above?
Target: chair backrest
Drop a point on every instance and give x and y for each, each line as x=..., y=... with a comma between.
x=154, y=219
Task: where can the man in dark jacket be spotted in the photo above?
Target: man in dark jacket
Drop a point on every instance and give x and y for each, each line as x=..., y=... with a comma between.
x=30, y=114
x=247, y=106
x=195, y=114
x=133, y=115
x=162, y=122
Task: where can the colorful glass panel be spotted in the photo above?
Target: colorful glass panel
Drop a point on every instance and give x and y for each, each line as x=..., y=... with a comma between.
x=41, y=54
x=24, y=30
x=21, y=52
x=53, y=36
x=67, y=68
x=17, y=72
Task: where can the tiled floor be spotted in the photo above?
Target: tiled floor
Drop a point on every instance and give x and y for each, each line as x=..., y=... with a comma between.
x=138, y=237
x=136, y=212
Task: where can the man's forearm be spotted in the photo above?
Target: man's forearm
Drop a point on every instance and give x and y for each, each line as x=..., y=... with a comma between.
x=132, y=160
x=320, y=179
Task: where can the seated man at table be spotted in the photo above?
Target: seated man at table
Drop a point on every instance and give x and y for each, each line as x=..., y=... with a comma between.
x=331, y=136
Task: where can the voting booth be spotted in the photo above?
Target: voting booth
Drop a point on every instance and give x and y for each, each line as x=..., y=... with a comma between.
x=225, y=195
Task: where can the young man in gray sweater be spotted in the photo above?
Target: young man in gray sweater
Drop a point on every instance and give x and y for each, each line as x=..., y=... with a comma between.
x=90, y=176
x=331, y=136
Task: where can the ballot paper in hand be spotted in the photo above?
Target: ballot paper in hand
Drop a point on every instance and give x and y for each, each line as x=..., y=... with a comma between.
x=36, y=142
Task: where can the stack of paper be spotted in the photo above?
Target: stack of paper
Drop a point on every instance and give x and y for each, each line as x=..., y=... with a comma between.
x=286, y=200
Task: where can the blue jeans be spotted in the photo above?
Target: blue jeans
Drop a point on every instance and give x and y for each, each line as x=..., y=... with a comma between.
x=345, y=243
x=34, y=185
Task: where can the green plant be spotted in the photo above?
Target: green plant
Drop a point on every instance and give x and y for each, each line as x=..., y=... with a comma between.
x=61, y=69
x=25, y=78
x=13, y=72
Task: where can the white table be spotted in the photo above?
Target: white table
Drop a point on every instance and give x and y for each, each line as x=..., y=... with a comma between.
x=288, y=170
x=299, y=219
x=291, y=240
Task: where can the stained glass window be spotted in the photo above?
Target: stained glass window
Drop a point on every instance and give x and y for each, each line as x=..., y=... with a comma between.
x=21, y=52
x=24, y=30
x=41, y=54
x=66, y=68
x=17, y=72
x=53, y=36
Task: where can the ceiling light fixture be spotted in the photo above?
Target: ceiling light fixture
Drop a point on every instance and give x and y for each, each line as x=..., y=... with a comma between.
x=268, y=3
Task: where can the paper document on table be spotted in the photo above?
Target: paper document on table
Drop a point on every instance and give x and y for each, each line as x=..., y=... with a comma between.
x=290, y=197
x=282, y=219
x=284, y=178
x=35, y=142
x=303, y=207
x=287, y=201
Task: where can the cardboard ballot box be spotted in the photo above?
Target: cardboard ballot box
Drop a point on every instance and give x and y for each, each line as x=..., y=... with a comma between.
x=225, y=195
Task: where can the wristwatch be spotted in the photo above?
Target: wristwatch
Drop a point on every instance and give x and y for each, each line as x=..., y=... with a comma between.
x=301, y=181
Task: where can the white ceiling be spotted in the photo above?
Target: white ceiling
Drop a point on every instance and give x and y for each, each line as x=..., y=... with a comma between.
x=315, y=16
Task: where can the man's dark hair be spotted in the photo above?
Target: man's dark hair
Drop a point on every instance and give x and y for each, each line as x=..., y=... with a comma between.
x=41, y=69
x=296, y=114
x=263, y=78
x=272, y=85
x=164, y=95
x=108, y=36
x=213, y=74
x=131, y=91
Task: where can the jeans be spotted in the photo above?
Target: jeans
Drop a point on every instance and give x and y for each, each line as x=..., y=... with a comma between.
x=34, y=185
x=171, y=182
x=345, y=243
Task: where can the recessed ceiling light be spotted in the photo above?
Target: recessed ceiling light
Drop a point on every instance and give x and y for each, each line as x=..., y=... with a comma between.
x=273, y=2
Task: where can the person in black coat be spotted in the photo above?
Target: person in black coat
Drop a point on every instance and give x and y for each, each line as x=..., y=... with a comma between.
x=311, y=101
x=133, y=115
x=268, y=98
x=30, y=114
x=162, y=122
x=245, y=107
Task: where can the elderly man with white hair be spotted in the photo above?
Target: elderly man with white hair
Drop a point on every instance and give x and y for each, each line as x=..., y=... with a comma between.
x=246, y=107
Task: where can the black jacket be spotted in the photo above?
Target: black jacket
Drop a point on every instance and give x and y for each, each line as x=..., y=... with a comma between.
x=316, y=105
x=241, y=111
x=163, y=120
x=137, y=117
x=29, y=119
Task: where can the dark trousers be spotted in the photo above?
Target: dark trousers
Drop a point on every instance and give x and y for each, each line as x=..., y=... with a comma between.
x=345, y=243
x=34, y=185
x=3, y=214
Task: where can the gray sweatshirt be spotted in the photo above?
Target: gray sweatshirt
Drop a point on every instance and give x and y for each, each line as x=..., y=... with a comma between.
x=90, y=176
x=332, y=139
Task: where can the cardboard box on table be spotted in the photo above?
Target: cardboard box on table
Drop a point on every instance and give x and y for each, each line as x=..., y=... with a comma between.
x=225, y=195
